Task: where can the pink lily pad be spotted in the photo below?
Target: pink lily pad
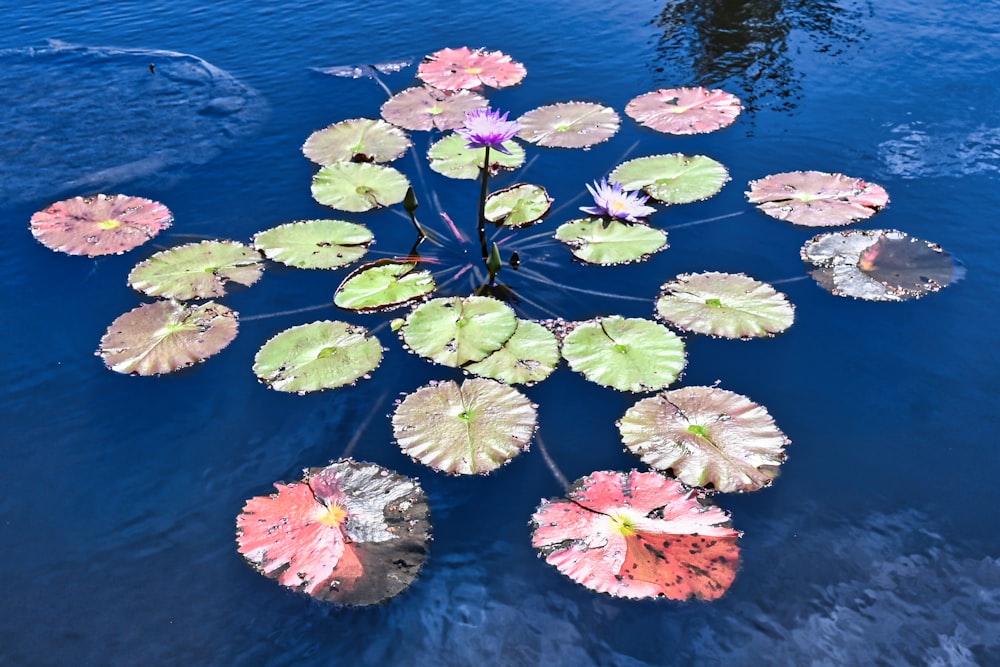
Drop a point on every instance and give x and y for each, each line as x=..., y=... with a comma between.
x=426, y=108
x=638, y=535
x=465, y=68
x=816, y=198
x=99, y=225
x=685, y=110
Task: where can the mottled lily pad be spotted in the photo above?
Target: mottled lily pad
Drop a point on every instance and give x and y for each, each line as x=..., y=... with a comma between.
x=352, y=533
x=360, y=139
x=625, y=354
x=672, y=178
x=685, y=110
x=197, y=270
x=99, y=225
x=367, y=71
x=450, y=157
x=428, y=108
x=358, y=186
x=569, y=125
x=383, y=284
x=314, y=244
x=529, y=356
x=879, y=265
x=164, y=336
x=456, y=330
x=520, y=205
x=465, y=68
x=468, y=429
x=730, y=305
x=609, y=242
x=816, y=198
x=315, y=356
x=706, y=436
x=638, y=535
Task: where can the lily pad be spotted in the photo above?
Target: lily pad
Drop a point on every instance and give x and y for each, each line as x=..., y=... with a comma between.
x=816, y=198
x=518, y=206
x=685, y=110
x=879, y=265
x=706, y=436
x=625, y=354
x=609, y=242
x=359, y=139
x=638, y=535
x=358, y=186
x=383, y=284
x=529, y=356
x=672, y=178
x=468, y=429
x=465, y=68
x=197, y=270
x=730, y=305
x=569, y=125
x=428, y=108
x=367, y=71
x=164, y=336
x=314, y=244
x=454, y=331
x=99, y=225
x=319, y=355
x=451, y=158
x=352, y=533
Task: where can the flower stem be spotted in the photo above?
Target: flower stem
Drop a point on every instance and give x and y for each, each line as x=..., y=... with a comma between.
x=482, y=205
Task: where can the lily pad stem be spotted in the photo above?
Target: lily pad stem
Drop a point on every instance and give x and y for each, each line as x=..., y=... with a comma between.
x=482, y=205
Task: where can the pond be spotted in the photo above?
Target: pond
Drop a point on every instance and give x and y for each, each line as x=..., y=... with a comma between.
x=876, y=544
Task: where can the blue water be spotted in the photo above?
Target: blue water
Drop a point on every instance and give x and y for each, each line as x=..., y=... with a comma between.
x=878, y=543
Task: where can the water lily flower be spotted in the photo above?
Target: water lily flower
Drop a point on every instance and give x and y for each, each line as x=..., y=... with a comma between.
x=613, y=202
x=485, y=128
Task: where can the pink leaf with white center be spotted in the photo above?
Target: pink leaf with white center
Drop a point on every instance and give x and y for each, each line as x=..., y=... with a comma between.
x=816, y=198
x=685, y=110
x=465, y=68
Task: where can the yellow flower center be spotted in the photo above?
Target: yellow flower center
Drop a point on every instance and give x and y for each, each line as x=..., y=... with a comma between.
x=109, y=224
x=622, y=523
x=473, y=70
x=333, y=515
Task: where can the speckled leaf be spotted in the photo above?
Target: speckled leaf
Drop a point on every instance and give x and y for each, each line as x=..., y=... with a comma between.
x=450, y=157
x=685, y=110
x=164, y=336
x=609, y=242
x=352, y=533
x=730, y=305
x=456, y=330
x=520, y=205
x=638, y=535
x=626, y=354
x=99, y=225
x=314, y=244
x=529, y=356
x=816, y=198
x=363, y=139
x=319, y=355
x=672, y=178
x=427, y=108
x=465, y=68
x=706, y=436
x=197, y=270
x=383, y=284
x=358, y=186
x=468, y=429
x=569, y=125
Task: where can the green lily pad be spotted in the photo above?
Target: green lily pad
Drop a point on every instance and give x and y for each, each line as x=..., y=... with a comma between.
x=319, y=355
x=468, y=429
x=383, y=284
x=625, y=354
x=609, y=242
x=529, y=356
x=163, y=336
x=314, y=244
x=569, y=125
x=451, y=158
x=520, y=205
x=427, y=108
x=197, y=270
x=456, y=330
x=672, y=178
x=706, y=437
x=730, y=305
x=358, y=186
x=361, y=139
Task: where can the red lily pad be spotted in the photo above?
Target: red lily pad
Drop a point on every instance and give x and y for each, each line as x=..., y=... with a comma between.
x=352, y=533
x=816, y=198
x=638, y=535
x=685, y=110
x=426, y=108
x=465, y=68
x=99, y=225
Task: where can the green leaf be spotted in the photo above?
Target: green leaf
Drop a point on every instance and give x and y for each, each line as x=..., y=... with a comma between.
x=625, y=354
x=383, y=284
x=363, y=138
x=529, y=356
x=673, y=178
x=314, y=244
x=319, y=355
x=196, y=270
x=456, y=330
x=451, y=158
x=358, y=186
x=569, y=125
x=608, y=242
x=518, y=206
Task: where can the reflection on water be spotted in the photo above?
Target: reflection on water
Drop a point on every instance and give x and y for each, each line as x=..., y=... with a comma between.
x=752, y=45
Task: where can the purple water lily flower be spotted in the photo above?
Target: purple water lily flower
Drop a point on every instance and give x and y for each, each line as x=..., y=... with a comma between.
x=485, y=128
x=613, y=202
